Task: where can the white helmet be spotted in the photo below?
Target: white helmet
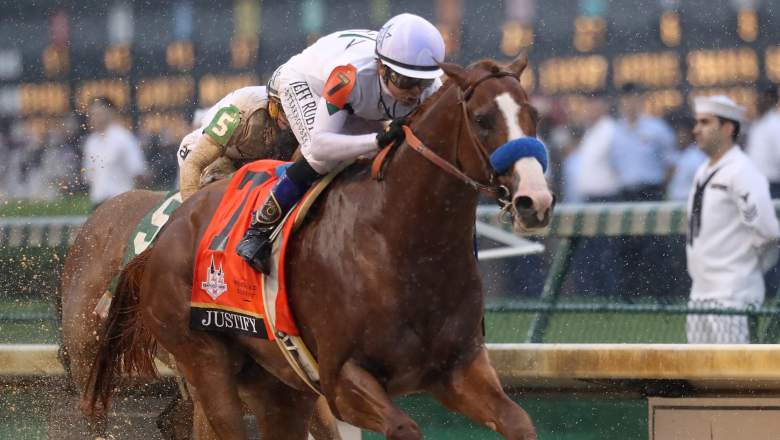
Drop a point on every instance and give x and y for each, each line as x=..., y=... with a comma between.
x=272, y=87
x=411, y=46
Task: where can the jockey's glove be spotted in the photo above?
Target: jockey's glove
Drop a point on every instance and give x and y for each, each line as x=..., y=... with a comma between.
x=393, y=134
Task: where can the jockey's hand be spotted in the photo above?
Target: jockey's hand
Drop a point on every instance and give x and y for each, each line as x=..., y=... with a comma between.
x=393, y=134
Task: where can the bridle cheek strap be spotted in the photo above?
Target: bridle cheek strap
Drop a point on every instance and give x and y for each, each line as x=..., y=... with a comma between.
x=416, y=144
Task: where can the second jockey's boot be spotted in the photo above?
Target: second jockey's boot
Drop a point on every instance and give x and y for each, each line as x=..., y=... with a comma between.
x=256, y=245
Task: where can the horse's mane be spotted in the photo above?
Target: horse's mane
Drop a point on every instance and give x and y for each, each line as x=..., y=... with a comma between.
x=486, y=63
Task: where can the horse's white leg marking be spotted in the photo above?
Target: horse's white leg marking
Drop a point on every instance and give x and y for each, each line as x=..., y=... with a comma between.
x=511, y=111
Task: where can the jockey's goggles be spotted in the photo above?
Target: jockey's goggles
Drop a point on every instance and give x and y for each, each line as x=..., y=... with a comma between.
x=407, y=82
x=274, y=108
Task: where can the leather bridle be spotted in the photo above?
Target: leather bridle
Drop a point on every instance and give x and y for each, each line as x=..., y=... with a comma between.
x=492, y=188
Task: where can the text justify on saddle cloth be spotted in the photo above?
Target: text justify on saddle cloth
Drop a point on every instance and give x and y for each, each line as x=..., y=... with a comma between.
x=222, y=319
x=303, y=104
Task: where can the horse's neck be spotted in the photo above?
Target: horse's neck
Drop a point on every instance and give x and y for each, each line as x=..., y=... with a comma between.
x=427, y=194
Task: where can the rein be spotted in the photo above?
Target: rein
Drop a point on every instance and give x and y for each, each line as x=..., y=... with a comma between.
x=497, y=191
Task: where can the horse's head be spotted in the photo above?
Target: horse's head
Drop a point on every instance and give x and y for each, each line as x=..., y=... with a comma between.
x=501, y=128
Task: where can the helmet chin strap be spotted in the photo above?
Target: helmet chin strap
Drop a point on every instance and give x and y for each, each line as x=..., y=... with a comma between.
x=383, y=87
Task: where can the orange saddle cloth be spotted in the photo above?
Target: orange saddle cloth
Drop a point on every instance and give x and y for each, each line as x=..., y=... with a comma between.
x=226, y=291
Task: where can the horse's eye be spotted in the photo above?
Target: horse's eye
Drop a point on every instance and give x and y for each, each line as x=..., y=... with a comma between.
x=484, y=122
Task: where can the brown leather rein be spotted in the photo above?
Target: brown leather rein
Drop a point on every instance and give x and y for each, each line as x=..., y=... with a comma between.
x=497, y=191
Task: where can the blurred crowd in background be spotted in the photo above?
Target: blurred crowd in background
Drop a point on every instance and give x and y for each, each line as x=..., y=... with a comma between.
x=594, y=64
x=613, y=88
x=50, y=166
x=609, y=151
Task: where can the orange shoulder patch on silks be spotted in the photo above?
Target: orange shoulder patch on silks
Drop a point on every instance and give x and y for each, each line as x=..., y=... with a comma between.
x=338, y=87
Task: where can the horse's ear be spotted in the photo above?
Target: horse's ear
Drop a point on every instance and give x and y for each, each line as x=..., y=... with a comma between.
x=519, y=64
x=456, y=73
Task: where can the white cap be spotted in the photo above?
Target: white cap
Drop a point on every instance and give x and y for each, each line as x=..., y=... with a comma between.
x=719, y=105
x=411, y=46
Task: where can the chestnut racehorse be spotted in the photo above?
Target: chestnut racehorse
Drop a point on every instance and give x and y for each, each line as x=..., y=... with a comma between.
x=382, y=280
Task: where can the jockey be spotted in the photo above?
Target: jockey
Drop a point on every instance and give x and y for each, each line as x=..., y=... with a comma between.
x=346, y=82
x=236, y=129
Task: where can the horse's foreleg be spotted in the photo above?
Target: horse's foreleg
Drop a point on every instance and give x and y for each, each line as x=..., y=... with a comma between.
x=474, y=391
x=359, y=399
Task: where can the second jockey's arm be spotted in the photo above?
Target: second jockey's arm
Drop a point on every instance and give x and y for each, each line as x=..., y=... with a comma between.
x=207, y=152
x=328, y=144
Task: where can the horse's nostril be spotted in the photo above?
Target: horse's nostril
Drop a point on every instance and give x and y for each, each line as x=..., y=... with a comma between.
x=523, y=203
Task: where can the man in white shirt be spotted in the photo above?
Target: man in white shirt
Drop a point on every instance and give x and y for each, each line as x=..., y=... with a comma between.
x=599, y=182
x=595, y=271
x=763, y=147
x=732, y=229
x=113, y=160
x=763, y=142
x=689, y=159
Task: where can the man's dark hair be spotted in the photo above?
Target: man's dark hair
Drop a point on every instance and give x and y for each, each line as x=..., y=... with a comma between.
x=735, y=133
x=770, y=94
x=629, y=87
x=104, y=101
x=680, y=119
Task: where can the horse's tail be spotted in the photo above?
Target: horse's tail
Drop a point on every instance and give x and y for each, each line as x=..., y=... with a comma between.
x=126, y=347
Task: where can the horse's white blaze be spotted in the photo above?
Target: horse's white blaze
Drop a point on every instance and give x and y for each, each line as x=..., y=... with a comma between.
x=511, y=111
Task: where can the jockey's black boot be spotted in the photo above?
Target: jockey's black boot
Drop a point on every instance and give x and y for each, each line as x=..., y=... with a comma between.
x=256, y=245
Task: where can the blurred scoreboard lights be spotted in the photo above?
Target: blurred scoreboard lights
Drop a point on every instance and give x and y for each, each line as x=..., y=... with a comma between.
x=162, y=101
x=44, y=99
x=589, y=33
x=772, y=63
x=181, y=76
x=562, y=75
x=658, y=102
x=515, y=36
x=117, y=59
x=670, y=28
x=116, y=90
x=157, y=123
x=213, y=87
x=243, y=52
x=165, y=93
x=648, y=69
x=180, y=55
x=716, y=67
x=747, y=24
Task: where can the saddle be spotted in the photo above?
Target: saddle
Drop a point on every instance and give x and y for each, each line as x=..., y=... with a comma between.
x=227, y=294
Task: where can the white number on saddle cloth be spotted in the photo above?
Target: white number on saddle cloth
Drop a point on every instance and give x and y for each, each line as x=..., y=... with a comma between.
x=160, y=216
